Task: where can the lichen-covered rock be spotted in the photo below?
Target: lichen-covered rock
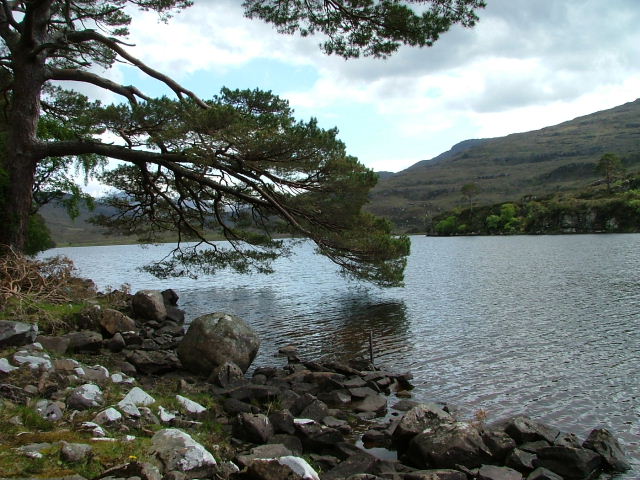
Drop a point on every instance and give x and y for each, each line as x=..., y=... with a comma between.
x=85, y=396
x=253, y=428
x=216, y=338
x=177, y=451
x=17, y=333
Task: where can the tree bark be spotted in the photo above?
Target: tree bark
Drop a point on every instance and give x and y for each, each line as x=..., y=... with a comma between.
x=21, y=158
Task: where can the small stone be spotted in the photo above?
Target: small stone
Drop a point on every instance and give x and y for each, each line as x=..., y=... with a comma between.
x=74, y=452
x=137, y=396
x=190, y=406
x=85, y=396
x=178, y=451
x=92, y=428
x=108, y=416
x=6, y=367
x=165, y=415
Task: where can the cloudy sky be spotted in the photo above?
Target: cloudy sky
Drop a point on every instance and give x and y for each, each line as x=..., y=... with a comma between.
x=526, y=65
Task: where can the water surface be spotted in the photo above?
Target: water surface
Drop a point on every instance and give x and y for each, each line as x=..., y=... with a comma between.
x=545, y=326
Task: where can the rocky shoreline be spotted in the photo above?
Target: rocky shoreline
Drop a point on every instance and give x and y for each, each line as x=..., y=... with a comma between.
x=182, y=406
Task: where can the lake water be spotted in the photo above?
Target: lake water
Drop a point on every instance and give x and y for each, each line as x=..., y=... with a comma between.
x=545, y=326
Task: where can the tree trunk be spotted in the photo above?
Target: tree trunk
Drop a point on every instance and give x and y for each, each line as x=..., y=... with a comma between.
x=20, y=159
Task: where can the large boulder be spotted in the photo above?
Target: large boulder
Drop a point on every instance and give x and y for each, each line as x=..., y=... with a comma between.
x=114, y=321
x=569, y=462
x=216, y=338
x=447, y=446
x=602, y=442
x=416, y=420
x=17, y=333
x=149, y=305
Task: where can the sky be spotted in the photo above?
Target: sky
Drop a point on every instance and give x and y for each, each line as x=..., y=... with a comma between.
x=527, y=64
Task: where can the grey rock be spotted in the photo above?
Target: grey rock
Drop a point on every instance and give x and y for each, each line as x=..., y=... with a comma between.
x=17, y=334
x=49, y=410
x=492, y=472
x=318, y=438
x=498, y=442
x=153, y=362
x=226, y=374
x=34, y=359
x=316, y=410
x=292, y=442
x=282, y=422
x=74, y=452
x=58, y=345
x=149, y=305
x=520, y=460
x=133, y=470
x=443, y=474
x=604, y=444
x=371, y=403
x=34, y=450
x=356, y=464
x=191, y=407
x=272, y=450
x=85, y=396
x=170, y=297
x=176, y=450
x=541, y=473
x=255, y=428
x=447, y=446
x=84, y=341
x=570, y=463
x=113, y=321
x=214, y=339
x=108, y=416
x=6, y=367
x=524, y=429
x=415, y=421
x=233, y=407
x=116, y=343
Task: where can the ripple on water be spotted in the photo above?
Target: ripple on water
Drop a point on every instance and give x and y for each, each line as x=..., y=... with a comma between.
x=543, y=326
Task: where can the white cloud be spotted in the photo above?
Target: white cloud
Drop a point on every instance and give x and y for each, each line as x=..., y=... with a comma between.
x=527, y=64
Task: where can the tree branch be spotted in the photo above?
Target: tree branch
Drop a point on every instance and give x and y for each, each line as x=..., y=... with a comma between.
x=128, y=91
x=113, y=44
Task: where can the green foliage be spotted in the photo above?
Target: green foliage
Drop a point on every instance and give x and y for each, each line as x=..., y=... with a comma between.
x=448, y=226
x=39, y=238
x=609, y=166
x=493, y=223
x=370, y=28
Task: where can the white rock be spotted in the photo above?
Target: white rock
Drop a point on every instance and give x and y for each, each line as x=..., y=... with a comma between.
x=85, y=396
x=34, y=360
x=303, y=421
x=96, y=373
x=190, y=405
x=5, y=366
x=178, y=451
x=110, y=415
x=165, y=415
x=129, y=409
x=122, y=378
x=79, y=371
x=137, y=396
x=299, y=466
x=93, y=428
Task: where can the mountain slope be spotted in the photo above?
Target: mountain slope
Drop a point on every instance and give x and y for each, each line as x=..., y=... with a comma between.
x=557, y=158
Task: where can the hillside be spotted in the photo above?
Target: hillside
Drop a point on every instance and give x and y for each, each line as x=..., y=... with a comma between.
x=559, y=158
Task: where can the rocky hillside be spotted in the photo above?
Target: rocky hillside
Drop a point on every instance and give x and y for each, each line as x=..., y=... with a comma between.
x=559, y=158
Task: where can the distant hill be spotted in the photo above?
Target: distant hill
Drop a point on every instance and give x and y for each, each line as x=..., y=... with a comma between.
x=553, y=159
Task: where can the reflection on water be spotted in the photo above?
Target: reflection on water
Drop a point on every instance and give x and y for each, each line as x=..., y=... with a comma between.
x=544, y=326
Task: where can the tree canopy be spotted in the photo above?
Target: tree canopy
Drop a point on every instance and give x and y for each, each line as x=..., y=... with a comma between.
x=238, y=163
